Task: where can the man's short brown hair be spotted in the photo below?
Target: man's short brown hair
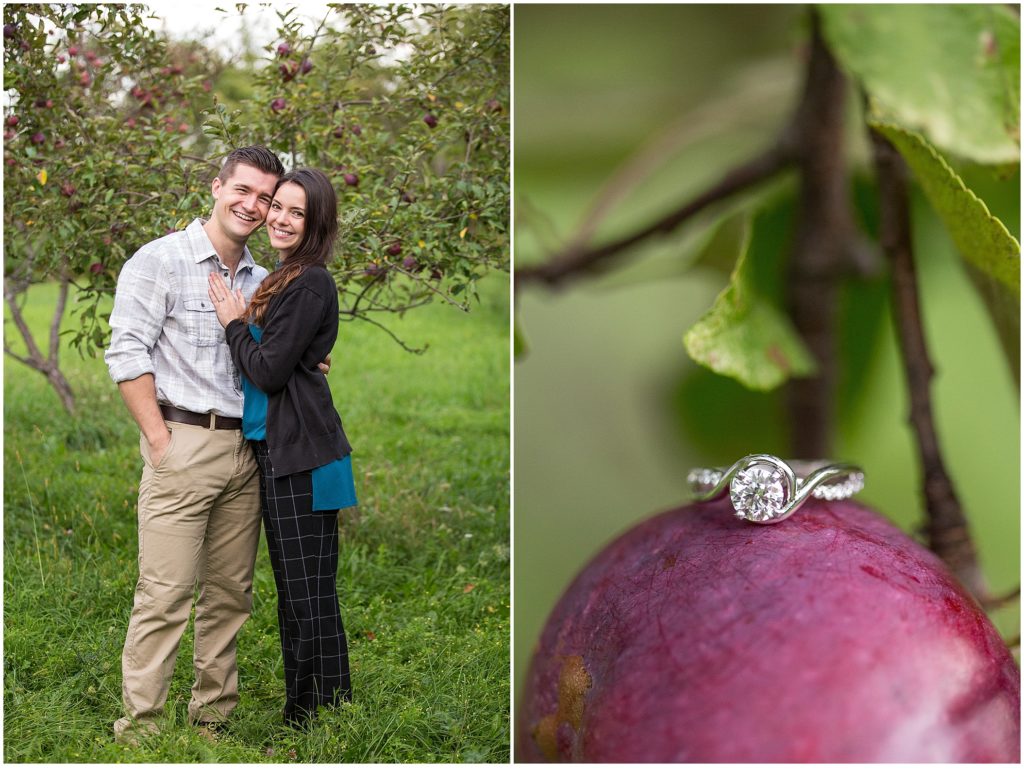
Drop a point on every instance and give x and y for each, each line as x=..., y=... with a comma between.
x=257, y=156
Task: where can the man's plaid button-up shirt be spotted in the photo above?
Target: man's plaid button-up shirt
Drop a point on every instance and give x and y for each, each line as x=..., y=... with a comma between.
x=164, y=323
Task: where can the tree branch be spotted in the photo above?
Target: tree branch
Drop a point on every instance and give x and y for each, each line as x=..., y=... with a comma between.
x=824, y=232
x=35, y=356
x=48, y=366
x=390, y=334
x=58, y=315
x=577, y=261
x=946, y=527
x=993, y=602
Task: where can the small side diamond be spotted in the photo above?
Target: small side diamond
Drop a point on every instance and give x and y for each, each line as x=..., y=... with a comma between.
x=758, y=493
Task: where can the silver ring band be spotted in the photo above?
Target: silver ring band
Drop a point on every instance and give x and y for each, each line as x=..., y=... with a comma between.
x=765, y=489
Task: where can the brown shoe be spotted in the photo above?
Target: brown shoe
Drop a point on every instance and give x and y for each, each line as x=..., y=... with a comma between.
x=129, y=732
x=211, y=732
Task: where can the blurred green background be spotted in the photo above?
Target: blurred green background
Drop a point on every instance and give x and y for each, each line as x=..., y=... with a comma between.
x=610, y=412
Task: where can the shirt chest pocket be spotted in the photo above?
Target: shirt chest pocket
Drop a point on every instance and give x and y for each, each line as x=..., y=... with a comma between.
x=201, y=322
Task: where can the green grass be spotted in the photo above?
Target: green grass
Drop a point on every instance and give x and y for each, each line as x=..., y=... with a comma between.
x=423, y=579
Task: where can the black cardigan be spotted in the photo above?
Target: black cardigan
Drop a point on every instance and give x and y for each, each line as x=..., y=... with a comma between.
x=299, y=329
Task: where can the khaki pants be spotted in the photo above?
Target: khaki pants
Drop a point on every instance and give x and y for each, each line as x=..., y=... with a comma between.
x=199, y=524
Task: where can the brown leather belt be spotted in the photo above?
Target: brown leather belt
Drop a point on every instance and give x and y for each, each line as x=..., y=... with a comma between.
x=200, y=419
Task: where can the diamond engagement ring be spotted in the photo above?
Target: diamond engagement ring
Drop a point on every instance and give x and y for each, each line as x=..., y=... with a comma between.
x=766, y=490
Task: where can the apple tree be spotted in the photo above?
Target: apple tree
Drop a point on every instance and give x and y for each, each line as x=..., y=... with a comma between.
x=407, y=109
x=113, y=134
x=99, y=123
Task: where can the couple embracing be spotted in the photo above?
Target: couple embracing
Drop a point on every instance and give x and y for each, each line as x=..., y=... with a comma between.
x=221, y=366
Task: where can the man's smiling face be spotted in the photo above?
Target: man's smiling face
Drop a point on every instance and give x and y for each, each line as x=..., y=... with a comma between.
x=243, y=200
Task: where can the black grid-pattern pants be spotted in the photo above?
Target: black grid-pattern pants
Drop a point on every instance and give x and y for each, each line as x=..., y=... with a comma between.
x=303, y=548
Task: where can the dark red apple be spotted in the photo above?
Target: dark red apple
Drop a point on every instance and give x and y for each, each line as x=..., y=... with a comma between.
x=828, y=637
x=288, y=70
x=13, y=120
x=278, y=104
x=430, y=120
x=283, y=50
x=351, y=180
x=394, y=249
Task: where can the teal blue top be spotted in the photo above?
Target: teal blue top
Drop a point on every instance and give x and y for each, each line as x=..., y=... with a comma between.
x=333, y=484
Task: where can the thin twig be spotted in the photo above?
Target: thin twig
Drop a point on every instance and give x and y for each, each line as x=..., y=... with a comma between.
x=946, y=527
x=362, y=317
x=577, y=261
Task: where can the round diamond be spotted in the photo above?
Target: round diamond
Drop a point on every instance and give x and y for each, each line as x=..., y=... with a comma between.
x=758, y=493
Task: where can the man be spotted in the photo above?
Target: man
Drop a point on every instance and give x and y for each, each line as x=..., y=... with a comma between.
x=199, y=504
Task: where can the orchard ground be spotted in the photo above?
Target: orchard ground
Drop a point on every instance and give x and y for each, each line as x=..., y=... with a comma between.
x=423, y=575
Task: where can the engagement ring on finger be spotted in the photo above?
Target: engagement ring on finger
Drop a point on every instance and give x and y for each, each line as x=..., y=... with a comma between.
x=765, y=489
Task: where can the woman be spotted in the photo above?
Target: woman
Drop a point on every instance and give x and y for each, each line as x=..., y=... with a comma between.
x=288, y=416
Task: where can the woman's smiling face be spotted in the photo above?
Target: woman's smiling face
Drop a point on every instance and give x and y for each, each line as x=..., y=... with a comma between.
x=286, y=221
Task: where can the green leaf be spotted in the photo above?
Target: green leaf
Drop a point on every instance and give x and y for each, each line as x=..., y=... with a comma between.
x=743, y=335
x=951, y=72
x=990, y=250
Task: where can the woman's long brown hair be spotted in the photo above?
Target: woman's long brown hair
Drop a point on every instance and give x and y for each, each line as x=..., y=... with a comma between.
x=316, y=247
